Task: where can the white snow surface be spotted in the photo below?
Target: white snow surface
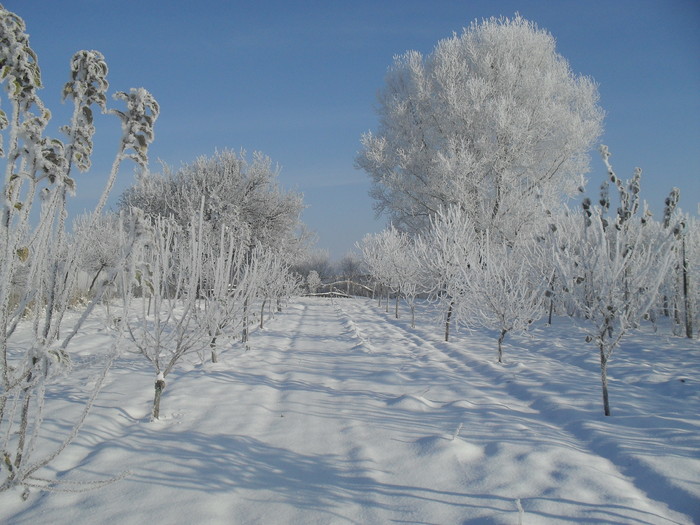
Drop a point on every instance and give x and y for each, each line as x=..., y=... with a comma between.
x=340, y=414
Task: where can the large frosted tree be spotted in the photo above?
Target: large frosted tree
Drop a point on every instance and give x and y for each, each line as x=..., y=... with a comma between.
x=493, y=120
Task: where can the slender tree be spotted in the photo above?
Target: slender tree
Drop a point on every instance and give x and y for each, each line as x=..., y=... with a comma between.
x=163, y=329
x=613, y=266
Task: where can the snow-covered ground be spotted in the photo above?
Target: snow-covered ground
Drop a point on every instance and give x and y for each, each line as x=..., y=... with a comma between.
x=340, y=414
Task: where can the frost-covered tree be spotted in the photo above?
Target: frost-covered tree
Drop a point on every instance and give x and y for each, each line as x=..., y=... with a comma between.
x=317, y=260
x=370, y=250
x=225, y=288
x=240, y=195
x=506, y=288
x=680, y=287
x=493, y=120
x=100, y=234
x=410, y=275
x=38, y=274
x=688, y=254
x=273, y=274
x=447, y=250
x=163, y=328
x=391, y=258
x=313, y=281
x=613, y=267
x=378, y=252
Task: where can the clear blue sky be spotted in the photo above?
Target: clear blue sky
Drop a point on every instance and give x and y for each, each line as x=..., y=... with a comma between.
x=298, y=81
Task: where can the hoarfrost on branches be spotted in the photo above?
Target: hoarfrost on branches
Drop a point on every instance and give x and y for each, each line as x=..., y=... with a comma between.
x=493, y=120
x=612, y=265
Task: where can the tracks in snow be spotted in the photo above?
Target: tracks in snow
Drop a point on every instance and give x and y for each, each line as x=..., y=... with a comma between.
x=548, y=403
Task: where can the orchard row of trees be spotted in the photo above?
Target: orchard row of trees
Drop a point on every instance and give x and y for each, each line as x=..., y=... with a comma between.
x=478, y=145
x=191, y=258
x=224, y=235
x=612, y=269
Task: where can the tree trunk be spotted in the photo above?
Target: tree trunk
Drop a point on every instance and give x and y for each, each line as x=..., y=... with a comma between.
x=396, y=308
x=500, y=345
x=159, y=386
x=686, y=294
x=94, y=279
x=244, y=333
x=212, y=346
x=413, y=315
x=447, y=321
x=604, y=379
x=551, y=300
x=262, y=314
x=677, y=317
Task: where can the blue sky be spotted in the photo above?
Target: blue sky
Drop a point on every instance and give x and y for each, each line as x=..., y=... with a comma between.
x=298, y=81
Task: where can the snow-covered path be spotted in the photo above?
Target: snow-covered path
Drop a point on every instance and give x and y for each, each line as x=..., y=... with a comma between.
x=339, y=415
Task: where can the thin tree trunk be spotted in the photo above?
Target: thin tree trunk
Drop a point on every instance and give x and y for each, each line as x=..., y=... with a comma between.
x=396, y=308
x=676, y=316
x=159, y=387
x=212, y=346
x=686, y=294
x=500, y=345
x=604, y=379
x=244, y=334
x=551, y=300
x=447, y=321
x=94, y=279
x=262, y=314
x=413, y=315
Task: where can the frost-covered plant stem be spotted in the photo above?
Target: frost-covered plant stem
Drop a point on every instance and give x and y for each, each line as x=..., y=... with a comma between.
x=38, y=273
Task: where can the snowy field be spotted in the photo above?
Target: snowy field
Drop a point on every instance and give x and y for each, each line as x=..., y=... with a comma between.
x=340, y=414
